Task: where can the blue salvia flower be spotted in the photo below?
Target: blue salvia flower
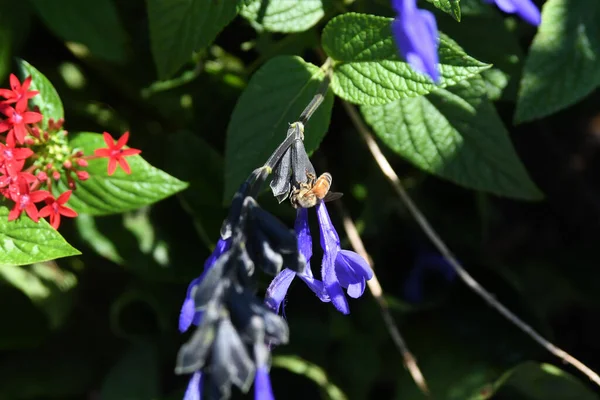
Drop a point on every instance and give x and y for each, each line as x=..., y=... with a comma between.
x=416, y=35
x=188, y=314
x=523, y=8
x=279, y=286
x=340, y=268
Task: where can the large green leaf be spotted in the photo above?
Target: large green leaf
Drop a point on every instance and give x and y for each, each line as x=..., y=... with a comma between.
x=274, y=98
x=47, y=285
x=94, y=24
x=102, y=194
x=451, y=7
x=180, y=27
x=284, y=15
x=563, y=62
x=47, y=100
x=456, y=134
x=26, y=242
x=533, y=381
x=368, y=68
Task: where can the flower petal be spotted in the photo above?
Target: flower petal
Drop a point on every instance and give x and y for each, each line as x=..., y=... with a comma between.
x=64, y=197
x=186, y=316
x=303, y=233
x=262, y=385
x=194, y=388
x=357, y=263
x=122, y=140
x=112, y=166
x=278, y=289
x=123, y=163
x=332, y=285
x=108, y=139
x=415, y=33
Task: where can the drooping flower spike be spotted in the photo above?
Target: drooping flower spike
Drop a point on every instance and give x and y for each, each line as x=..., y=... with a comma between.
x=116, y=153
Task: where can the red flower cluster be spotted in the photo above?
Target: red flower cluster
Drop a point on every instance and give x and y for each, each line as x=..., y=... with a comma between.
x=33, y=157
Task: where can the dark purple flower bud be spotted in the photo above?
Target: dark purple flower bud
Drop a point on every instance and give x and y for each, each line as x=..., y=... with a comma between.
x=525, y=9
x=416, y=35
x=340, y=268
x=194, y=388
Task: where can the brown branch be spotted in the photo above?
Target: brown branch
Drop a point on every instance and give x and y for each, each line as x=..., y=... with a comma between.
x=388, y=171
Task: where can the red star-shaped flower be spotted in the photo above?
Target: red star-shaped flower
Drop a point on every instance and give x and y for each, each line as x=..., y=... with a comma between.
x=116, y=153
x=56, y=207
x=18, y=93
x=17, y=121
x=12, y=158
x=25, y=201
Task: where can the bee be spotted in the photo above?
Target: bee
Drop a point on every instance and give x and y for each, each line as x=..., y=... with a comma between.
x=310, y=193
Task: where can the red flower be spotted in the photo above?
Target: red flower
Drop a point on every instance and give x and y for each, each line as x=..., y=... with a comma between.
x=13, y=158
x=25, y=201
x=18, y=93
x=116, y=153
x=17, y=120
x=9, y=185
x=56, y=207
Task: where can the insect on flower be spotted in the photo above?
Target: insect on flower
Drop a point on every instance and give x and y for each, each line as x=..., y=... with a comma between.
x=309, y=193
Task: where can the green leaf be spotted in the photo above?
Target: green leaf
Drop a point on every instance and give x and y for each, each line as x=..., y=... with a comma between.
x=194, y=160
x=47, y=285
x=102, y=194
x=47, y=100
x=95, y=25
x=475, y=34
x=533, y=381
x=313, y=372
x=180, y=27
x=456, y=134
x=368, y=69
x=26, y=242
x=135, y=376
x=562, y=66
x=451, y=7
x=284, y=15
x=276, y=95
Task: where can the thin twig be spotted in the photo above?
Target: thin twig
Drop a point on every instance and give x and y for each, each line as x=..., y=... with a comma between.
x=409, y=360
x=388, y=171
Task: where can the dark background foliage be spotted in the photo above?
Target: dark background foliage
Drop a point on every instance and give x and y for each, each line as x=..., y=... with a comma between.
x=106, y=324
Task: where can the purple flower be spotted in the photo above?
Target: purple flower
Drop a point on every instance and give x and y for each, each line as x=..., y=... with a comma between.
x=279, y=286
x=188, y=314
x=340, y=268
x=262, y=385
x=525, y=9
x=416, y=35
x=194, y=388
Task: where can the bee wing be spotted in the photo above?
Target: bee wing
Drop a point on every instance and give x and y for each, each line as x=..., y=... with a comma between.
x=330, y=196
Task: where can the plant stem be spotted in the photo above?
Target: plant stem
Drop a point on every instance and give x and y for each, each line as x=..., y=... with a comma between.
x=389, y=173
